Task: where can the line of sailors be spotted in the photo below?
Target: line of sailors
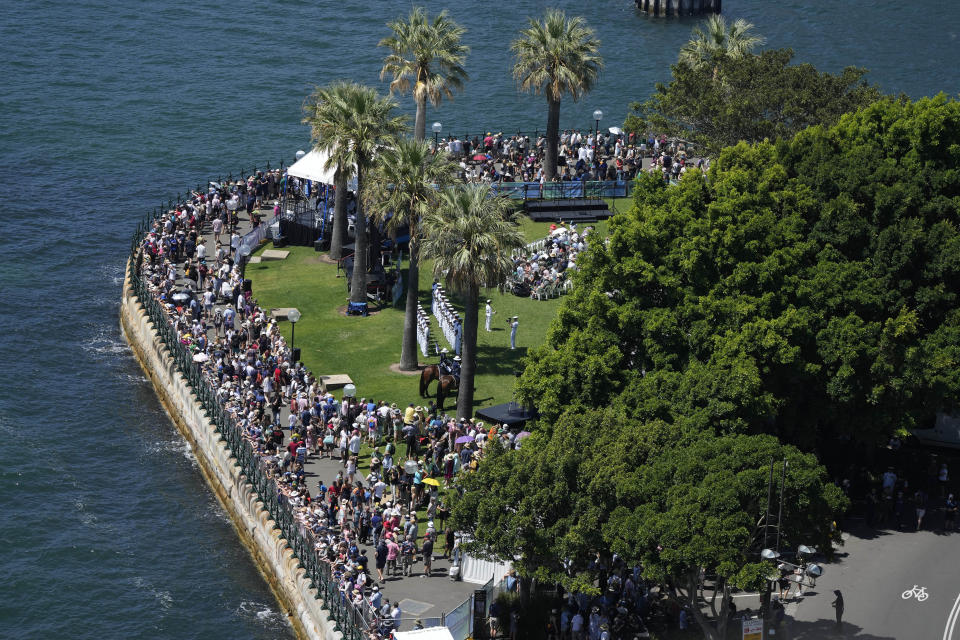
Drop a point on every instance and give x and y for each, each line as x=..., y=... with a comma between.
x=423, y=330
x=450, y=323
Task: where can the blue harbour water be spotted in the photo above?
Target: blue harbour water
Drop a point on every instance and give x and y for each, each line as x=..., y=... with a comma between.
x=109, y=108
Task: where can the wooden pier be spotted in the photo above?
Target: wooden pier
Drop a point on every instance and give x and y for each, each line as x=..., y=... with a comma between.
x=669, y=8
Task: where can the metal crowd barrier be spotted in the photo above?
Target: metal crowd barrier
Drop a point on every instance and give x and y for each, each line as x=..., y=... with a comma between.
x=567, y=189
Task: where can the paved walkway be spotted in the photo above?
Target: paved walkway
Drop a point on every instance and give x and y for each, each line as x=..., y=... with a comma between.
x=419, y=596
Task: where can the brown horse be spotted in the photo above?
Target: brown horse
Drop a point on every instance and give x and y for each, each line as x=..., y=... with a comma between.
x=446, y=387
x=428, y=375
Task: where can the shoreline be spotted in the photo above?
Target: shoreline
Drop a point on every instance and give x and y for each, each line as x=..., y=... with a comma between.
x=270, y=552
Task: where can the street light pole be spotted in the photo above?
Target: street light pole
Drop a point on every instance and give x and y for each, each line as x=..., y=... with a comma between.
x=597, y=115
x=293, y=316
x=437, y=128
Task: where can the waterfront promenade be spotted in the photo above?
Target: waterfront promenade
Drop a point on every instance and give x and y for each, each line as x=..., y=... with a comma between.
x=419, y=597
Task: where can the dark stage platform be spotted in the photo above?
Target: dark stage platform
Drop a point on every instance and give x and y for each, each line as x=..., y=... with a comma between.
x=567, y=209
x=509, y=413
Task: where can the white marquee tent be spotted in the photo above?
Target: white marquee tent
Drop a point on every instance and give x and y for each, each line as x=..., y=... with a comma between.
x=311, y=167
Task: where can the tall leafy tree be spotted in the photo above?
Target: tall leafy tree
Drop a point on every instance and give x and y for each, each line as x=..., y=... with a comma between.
x=679, y=503
x=323, y=112
x=808, y=289
x=757, y=97
x=357, y=122
x=715, y=38
x=470, y=236
x=426, y=57
x=698, y=509
x=556, y=57
x=405, y=186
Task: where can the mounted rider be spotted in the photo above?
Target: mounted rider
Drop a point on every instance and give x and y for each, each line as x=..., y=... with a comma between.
x=450, y=366
x=455, y=369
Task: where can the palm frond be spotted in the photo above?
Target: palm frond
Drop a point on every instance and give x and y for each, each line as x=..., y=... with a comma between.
x=470, y=235
x=426, y=58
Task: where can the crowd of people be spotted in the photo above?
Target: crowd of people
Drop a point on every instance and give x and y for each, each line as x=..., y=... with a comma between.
x=902, y=498
x=447, y=317
x=582, y=156
x=288, y=418
x=189, y=260
x=544, y=269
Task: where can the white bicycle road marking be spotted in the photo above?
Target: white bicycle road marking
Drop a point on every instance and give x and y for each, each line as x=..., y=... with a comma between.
x=952, y=620
x=919, y=592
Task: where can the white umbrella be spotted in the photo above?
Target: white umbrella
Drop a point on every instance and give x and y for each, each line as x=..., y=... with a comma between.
x=201, y=357
x=615, y=130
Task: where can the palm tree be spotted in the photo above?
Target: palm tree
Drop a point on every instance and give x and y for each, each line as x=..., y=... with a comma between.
x=323, y=115
x=357, y=122
x=556, y=57
x=718, y=39
x=404, y=187
x=470, y=236
x=430, y=55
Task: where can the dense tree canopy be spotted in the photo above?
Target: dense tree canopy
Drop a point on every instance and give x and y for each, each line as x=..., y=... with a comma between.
x=806, y=289
x=748, y=97
x=677, y=502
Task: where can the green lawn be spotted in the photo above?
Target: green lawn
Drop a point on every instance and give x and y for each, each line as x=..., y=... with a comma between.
x=364, y=348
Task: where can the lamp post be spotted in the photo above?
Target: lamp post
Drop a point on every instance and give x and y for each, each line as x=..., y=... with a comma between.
x=293, y=316
x=437, y=128
x=597, y=115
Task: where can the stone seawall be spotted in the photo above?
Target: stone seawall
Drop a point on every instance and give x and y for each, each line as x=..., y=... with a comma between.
x=252, y=521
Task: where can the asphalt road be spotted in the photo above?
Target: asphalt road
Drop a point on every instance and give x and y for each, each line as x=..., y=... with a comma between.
x=873, y=570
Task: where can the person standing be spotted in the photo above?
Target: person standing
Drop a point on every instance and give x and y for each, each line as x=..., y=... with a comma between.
x=489, y=315
x=514, y=323
x=920, y=505
x=950, y=513
x=217, y=225
x=393, y=551
x=838, y=607
x=427, y=551
x=381, y=557
x=397, y=615
x=576, y=626
x=457, y=335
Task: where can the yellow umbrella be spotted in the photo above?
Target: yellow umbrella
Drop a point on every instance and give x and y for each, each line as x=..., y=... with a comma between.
x=432, y=481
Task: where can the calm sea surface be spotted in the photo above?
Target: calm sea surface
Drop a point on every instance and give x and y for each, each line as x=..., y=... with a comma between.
x=106, y=109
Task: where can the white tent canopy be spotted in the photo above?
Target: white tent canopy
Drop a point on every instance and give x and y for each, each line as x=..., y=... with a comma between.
x=430, y=633
x=312, y=167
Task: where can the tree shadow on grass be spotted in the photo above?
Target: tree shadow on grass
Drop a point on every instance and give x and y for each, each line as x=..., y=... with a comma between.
x=825, y=629
x=497, y=360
